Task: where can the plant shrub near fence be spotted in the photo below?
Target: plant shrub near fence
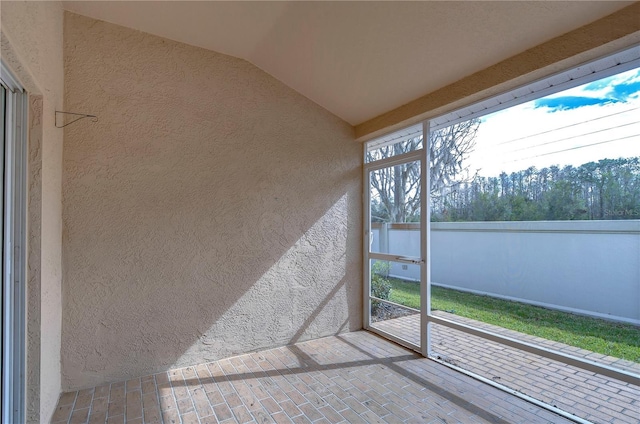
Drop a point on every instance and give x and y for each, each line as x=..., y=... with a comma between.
x=380, y=285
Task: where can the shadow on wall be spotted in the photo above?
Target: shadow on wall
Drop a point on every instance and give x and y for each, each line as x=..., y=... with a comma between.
x=303, y=295
x=211, y=211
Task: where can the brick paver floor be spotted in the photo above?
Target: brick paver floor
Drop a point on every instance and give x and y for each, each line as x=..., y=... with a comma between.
x=590, y=396
x=350, y=378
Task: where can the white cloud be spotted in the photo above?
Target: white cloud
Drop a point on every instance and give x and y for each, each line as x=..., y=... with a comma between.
x=522, y=136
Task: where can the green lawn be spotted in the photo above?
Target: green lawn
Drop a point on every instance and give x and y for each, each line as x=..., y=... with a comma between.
x=596, y=335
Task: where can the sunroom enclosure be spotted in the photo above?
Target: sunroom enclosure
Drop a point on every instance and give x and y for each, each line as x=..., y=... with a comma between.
x=404, y=169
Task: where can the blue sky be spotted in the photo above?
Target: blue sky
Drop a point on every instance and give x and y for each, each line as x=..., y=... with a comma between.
x=586, y=123
x=555, y=104
x=614, y=89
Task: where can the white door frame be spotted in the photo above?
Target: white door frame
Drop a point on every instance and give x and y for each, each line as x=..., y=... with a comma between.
x=414, y=156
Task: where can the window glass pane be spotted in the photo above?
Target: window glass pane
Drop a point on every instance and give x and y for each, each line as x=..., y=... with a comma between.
x=397, y=143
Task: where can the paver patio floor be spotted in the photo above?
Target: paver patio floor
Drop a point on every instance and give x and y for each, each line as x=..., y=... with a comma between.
x=596, y=398
x=349, y=378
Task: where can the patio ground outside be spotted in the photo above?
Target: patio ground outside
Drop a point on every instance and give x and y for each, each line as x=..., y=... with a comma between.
x=590, y=396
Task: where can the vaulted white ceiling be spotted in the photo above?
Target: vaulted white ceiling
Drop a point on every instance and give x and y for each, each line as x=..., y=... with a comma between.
x=357, y=59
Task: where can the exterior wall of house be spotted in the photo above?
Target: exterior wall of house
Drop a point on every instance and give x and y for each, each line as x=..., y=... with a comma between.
x=210, y=211
x=32, y=47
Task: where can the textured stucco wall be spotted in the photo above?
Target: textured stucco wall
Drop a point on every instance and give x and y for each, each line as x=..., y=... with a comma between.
x=211, y=210
x=34, y=275
x=32, y=46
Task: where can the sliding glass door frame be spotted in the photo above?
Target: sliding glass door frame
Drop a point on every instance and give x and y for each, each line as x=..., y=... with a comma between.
x=14, y=224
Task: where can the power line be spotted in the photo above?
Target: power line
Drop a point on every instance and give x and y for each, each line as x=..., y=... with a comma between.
x=572, y=137
x=576, y=148
x=567, y=126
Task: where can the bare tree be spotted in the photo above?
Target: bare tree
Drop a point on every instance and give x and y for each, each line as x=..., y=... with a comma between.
x=396, y=190
x=448, y=149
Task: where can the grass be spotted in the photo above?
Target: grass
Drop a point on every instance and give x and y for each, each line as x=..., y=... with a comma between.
x=596, y=335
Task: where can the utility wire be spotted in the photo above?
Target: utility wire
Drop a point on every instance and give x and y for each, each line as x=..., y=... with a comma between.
x=576, y=148
x=572, y=137
x=567, y=126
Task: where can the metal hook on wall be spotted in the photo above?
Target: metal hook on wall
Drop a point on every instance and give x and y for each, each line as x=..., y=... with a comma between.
x=80, y=116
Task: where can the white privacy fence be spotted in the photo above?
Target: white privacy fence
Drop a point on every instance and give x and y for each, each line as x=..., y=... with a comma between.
x=588, y=267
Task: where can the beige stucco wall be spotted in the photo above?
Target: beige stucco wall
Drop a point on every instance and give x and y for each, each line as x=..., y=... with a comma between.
x=211, y=210
x=32, y=46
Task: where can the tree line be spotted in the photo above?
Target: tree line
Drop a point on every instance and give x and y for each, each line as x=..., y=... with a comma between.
x=396, y=190
x=606, y=189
